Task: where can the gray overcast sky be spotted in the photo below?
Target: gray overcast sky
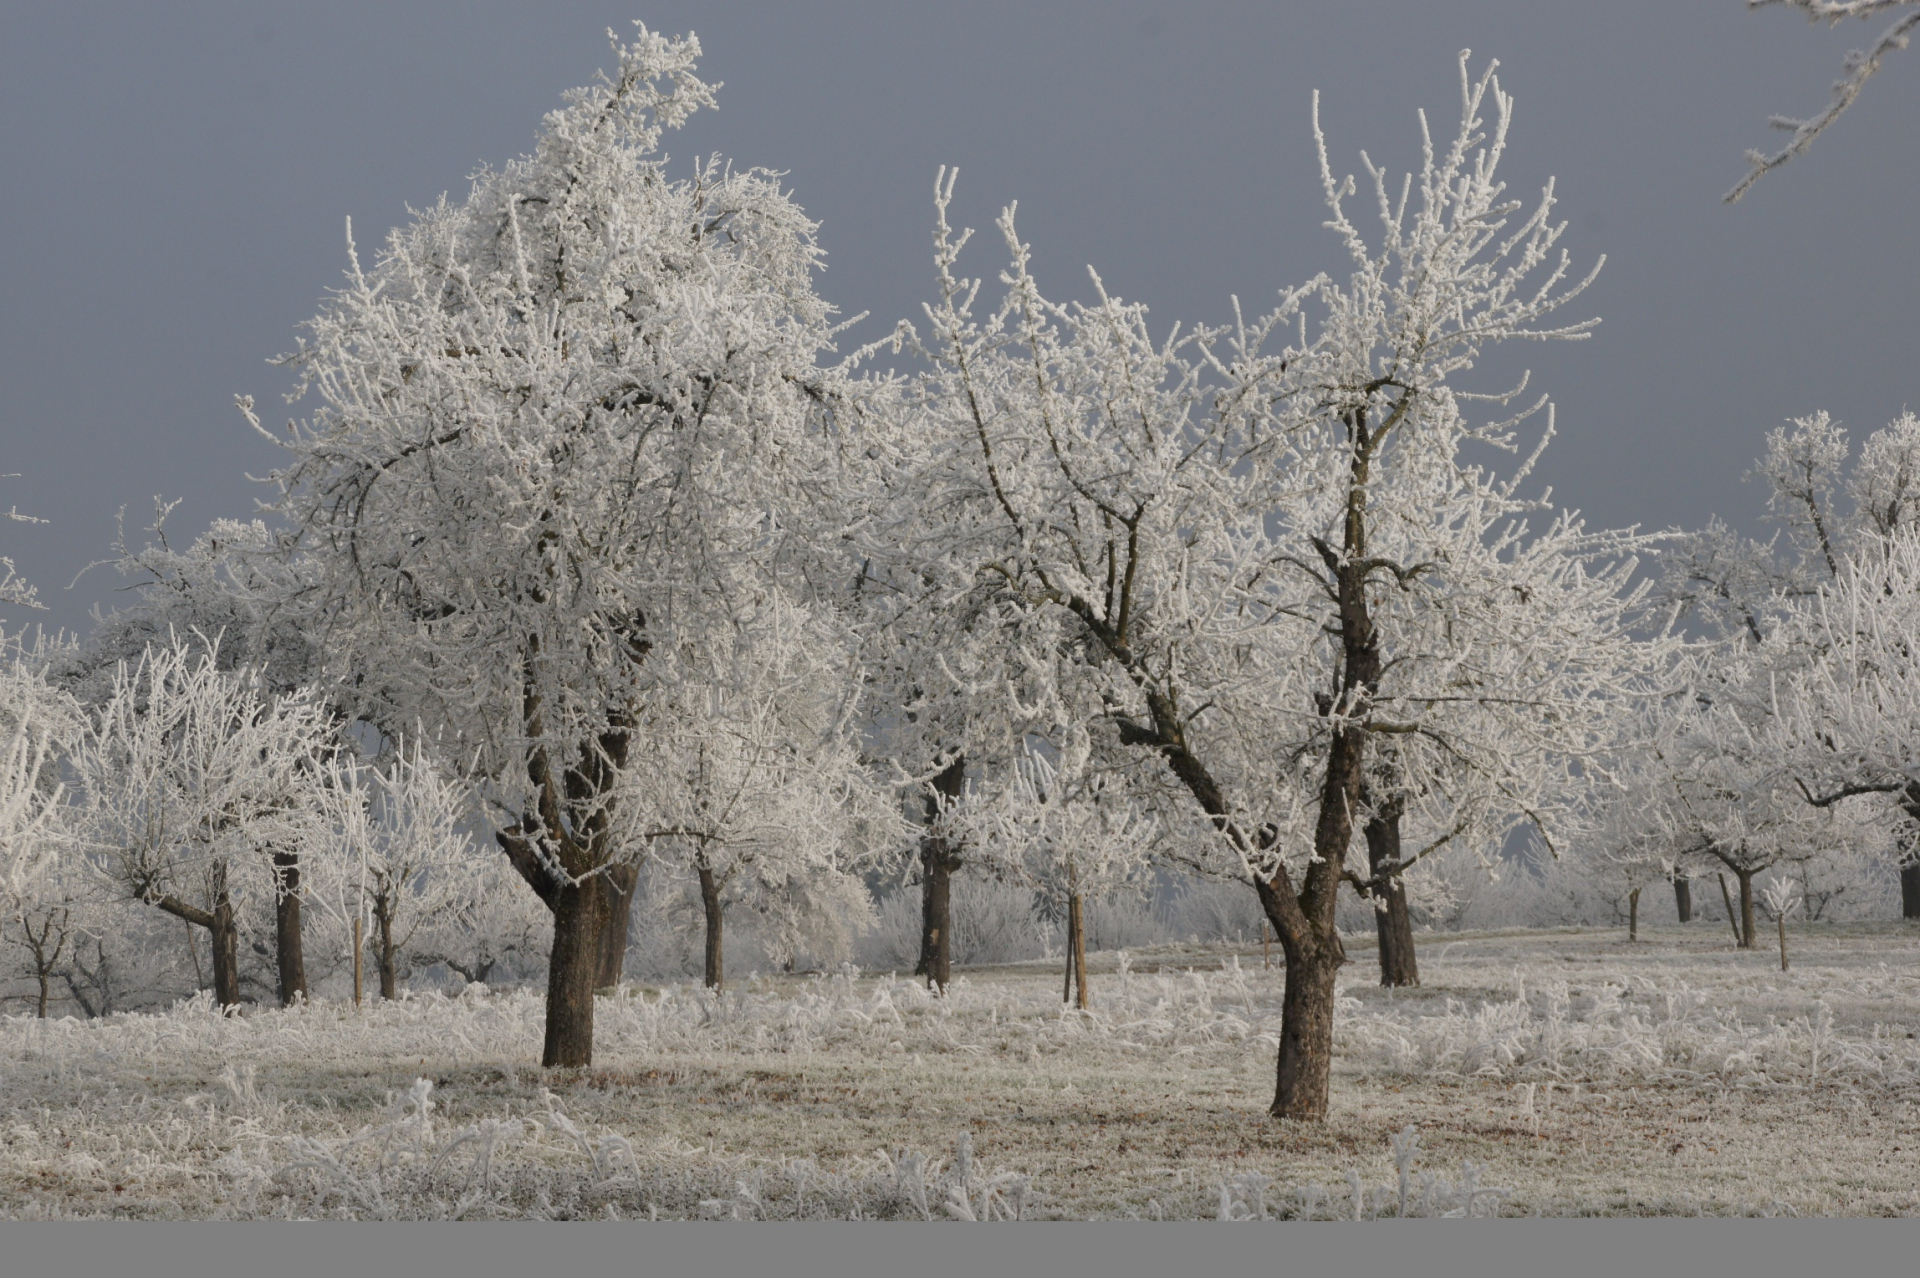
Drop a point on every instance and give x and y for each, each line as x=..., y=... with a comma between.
x=178, y=176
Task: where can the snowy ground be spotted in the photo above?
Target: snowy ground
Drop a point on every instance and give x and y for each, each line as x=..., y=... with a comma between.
x=1570, y=1070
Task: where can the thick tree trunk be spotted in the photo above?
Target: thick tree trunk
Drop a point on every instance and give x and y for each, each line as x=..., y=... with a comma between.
x=1633, y=915
x=1683, y=897
x=1910, y=891
x=1304, y=1070
x=1733, y=916
x=938, y=861
x=579, y=919
x=621, y=882
x=1746, y=908
x=386, y=953
x=45, y=993
x=225, y=936
x=716, y=974
x=224, y=940
x=1394, y=924
x=289, y=951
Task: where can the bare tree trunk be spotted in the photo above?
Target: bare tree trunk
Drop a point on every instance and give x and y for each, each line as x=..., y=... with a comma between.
x=225, y=936
x=1394, y=924
x=1733, y=919
x=938, y=861
x=710, y=900
x=223, y=932
x=385, y=952
x=1683, y=897
x=289, y=946
x=1746, y=908
x=44, y=993
x=1781, y=919
x=579, y=919
x=622, y=880
x=1304, y=1072
x=1910, y=891
x=1633, y=915
x=1066, y=985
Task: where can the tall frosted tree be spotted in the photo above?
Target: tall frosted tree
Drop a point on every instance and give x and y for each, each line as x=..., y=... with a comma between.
x=569, y=421
x=1270, y=546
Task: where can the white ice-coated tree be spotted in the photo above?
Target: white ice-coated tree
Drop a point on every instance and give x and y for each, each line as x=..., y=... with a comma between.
x=1270, y=545
x=43, y=898
x=192, y=776
x=392, y=853
x=568, y=422
x=1858, y=68
x=752, y=788
x=1813, y=634
x=1844, y=686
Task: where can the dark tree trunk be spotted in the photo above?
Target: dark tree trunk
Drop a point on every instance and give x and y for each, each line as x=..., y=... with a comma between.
x=938, y=861
x=1910, y=891
x=1683, y=897
x=1633, y=915
x=1394, y=924
x=289, y=951
x=386, y=953
x=45, y=994
x=223, y=933
x=225, y=937
x=621, y=882
x=716, y=974
x=563, y=848
x=1304, y=1071
x=579, y=919
x=1746, y=908
x=1733, y=917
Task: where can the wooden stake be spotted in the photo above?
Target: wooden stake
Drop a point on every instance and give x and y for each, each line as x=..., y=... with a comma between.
x=356, y=960
x=1266, y=944
x=1782, y=917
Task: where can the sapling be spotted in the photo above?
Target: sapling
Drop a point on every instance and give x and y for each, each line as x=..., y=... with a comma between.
x=1781, y=896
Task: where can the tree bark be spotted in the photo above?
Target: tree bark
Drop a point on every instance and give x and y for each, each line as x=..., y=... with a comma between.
x=710, y=901
x=1304, y=1072
x=223, y=933
x=1633, y=915
x=1683, y=897
x=1746, y=908
x=385, y=952
x=225, y=936
x=938, y=861
x=579, y=919
x=1394, y=924
x=1733, y=918
x=622, y=880
x=1910, y=891
x=289, y=946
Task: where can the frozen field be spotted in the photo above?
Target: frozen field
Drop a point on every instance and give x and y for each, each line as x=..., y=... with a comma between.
x=1549, y=1073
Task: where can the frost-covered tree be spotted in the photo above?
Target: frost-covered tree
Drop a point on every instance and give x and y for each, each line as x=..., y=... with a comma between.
x=1270, y=544
x=192, y=776
x=43, y=901
x=563, y=424
x=1858, y=68
x=1812, y=633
